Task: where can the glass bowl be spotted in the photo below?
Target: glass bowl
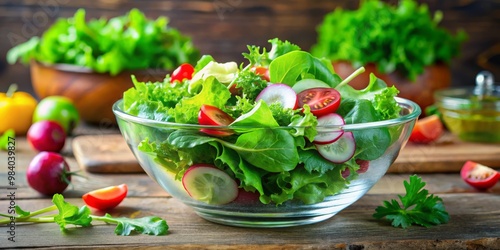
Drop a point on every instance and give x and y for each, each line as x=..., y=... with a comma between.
x=468, y=116
x=248, y=211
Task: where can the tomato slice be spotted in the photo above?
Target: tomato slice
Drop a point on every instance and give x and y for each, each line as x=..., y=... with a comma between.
x=427, y=130
x=210, y=115
x=321, y=100
x=479, y=176
x=184, y=71
x=263, y=72
x=106, y=198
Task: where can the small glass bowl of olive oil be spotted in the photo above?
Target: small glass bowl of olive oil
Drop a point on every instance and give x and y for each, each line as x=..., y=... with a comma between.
x=472, y=114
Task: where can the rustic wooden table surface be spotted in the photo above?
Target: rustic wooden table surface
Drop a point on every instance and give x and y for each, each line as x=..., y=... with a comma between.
x=474, y=223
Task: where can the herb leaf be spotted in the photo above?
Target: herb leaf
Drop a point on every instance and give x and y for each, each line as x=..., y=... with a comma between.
x=70, y=214
x=151, y=225
x=418, y=207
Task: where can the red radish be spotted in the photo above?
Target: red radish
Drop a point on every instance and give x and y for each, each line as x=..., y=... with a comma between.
x=106, y=198
x=210, y=115
x=48, y=173
x=246, y=197
x=328, y=135
x=340, y=150
x=280, y=93
x=209, y=184
x=363, y=166
x=46, y=136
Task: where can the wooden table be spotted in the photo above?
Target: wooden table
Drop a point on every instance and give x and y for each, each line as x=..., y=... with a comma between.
x=474, y=223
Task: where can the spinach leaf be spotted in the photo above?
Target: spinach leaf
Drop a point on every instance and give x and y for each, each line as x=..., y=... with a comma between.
x=370, y=143
x=292, y=67
x=270, y=149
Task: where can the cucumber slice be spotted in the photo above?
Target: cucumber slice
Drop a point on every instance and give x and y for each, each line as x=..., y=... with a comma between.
x=340, y=150
x=209, y=184
x=309, y=84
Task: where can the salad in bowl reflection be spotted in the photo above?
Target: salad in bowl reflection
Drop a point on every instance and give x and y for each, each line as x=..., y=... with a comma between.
x=280, y=141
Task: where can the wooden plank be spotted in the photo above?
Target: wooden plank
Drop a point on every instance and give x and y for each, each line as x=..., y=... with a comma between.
x=110, y=153
x=446, y=155
x=105, y=154
x=470, y=214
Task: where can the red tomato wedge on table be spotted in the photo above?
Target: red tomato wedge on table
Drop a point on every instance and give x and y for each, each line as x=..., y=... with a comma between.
x=479, y=176
x=321, y=100
x=106, y=198
x=427, y=130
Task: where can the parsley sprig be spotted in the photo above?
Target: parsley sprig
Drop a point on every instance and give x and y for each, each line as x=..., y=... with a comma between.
x=70, y=214
x=418, y=207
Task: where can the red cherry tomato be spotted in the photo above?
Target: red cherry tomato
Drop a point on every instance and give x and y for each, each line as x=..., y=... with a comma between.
x=210, y=115
x=321, y=100
x=106, y=198
x=427, y=130
x=184, y=71
x=262, y=71
x=479, y=176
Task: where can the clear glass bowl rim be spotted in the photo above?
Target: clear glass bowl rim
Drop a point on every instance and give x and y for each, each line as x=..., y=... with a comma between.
x=413, y=108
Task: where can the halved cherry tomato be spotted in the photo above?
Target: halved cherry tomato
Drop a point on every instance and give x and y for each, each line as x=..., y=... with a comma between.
x=184, y=71
x=321, y=100
x=210, y=115
x=106, y=198
x=479, y=176
x=263, y=72
x=427, y=130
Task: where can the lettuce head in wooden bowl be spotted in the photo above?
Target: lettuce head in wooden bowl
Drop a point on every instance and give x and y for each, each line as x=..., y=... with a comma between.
x=401, y=44
x=91, y=61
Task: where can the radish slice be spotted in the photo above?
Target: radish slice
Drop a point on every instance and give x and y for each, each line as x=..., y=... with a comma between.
x=308, y=84
x=328, y=135
x=280, y=93
x=209, y=184
x=340, y=150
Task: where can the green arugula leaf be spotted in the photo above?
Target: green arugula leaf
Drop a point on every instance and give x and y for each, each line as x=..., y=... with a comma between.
x=418, y=207
x=70, y=214
x=151, y=225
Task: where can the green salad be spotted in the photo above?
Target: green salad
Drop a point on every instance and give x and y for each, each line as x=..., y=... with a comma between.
x=127, y=42
x=405, y=37
x=271, y=109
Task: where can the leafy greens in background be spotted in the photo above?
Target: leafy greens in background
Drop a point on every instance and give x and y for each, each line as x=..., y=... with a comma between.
x=127, y=42
x=405, y=38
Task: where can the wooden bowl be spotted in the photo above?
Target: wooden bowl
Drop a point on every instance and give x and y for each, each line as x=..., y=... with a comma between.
x=421, y=91
x=92, y=93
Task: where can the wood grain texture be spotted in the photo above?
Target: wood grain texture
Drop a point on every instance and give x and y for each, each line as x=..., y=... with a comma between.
x=223, y=28
x=353, y=227
x=105, y=154
x=474, y=224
